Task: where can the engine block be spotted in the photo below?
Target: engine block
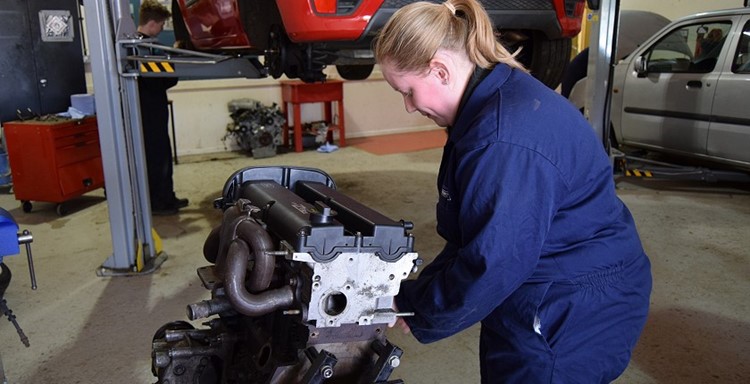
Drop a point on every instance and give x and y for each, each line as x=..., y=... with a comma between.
x=302, y=284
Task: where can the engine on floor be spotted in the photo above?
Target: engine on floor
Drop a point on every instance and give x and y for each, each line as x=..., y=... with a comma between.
x=302, y=284
x=256, y=128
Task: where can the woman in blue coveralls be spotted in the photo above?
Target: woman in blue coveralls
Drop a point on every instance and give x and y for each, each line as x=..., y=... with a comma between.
x=539, y=248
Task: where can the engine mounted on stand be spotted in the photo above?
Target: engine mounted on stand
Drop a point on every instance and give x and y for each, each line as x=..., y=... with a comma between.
x=302, y=287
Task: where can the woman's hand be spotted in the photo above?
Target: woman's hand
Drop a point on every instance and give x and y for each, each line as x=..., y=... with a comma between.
x=399, y=323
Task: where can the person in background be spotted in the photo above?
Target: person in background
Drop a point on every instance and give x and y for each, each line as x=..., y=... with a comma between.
x=539, y=248
x=155, y=118
x=706, y=44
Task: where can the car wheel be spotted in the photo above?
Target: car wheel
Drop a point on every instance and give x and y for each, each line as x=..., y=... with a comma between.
x=545, y=58
x=276, y=55
x=612, y=138
x=354, y=72
x=181, y=33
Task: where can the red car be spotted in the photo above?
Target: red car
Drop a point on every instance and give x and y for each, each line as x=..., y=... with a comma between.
x=299, y=38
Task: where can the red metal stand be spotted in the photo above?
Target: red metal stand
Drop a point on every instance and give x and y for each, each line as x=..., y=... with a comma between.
x=297, y=92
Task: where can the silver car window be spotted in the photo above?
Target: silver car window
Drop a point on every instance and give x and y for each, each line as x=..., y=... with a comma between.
x=690, y=48
x=741, y=62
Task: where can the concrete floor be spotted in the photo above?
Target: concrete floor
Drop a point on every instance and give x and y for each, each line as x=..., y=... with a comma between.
x=85, y=328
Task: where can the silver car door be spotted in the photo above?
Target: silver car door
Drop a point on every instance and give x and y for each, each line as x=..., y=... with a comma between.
x=729, y=130
x=667, y=102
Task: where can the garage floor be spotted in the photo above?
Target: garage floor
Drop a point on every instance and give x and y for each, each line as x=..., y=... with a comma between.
x=85, y=328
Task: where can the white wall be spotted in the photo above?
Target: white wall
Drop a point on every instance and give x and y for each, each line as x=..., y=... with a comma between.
x=371, y=107
x=674, y=9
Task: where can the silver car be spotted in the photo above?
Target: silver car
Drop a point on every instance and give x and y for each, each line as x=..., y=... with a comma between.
x=684, y=91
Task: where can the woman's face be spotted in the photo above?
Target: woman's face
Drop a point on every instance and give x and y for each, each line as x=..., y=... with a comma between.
x=424, y=92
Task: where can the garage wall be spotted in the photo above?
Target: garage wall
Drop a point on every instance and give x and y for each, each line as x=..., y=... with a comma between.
x=371, y=107
x=674, y=9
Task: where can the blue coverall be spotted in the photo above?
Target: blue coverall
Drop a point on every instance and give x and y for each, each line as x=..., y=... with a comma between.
x=539, y=248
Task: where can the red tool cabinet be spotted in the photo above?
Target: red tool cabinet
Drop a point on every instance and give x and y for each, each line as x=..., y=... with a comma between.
x=53, y=160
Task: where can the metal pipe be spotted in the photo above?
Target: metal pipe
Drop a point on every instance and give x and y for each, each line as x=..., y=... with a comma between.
x=231, y=218
x=207, y=308
x=26, y=239
x=243, y=301
x=261, y=245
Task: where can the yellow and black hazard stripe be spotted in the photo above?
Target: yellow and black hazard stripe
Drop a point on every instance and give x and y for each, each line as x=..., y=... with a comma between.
x=156, y=67
x=638, y=173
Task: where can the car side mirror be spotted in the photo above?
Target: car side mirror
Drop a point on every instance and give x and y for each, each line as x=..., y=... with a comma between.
x=641, y=66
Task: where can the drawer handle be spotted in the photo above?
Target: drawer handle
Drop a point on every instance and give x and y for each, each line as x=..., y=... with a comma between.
x=87, y=182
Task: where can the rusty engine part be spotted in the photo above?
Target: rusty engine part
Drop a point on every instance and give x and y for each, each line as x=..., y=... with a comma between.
x=302, y=284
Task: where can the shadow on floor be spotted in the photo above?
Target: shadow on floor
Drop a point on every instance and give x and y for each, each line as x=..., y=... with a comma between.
x=686, y=346
x=46, y=212
x=113, y=341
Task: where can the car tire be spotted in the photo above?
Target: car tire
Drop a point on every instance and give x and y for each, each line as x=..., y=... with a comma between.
x=354, y=72
x=613, y=138
x=276, y=54
x=181, y=33
x=545, y=58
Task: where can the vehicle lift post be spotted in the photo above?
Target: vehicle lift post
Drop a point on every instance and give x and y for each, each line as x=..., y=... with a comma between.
x=118, y=58
x=121, y=140
x=601, y=66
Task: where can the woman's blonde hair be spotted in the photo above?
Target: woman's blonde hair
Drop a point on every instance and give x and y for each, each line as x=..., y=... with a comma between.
x=415, y=32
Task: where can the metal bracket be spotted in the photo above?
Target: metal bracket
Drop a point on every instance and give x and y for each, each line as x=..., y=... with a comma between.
x=147, y=58
x=389, y=357
x=322, y=362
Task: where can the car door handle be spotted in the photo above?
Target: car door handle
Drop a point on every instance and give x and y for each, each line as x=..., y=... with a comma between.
x=695, y=84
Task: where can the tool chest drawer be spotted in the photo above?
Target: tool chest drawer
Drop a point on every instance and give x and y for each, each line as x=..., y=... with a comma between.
x=53, y=160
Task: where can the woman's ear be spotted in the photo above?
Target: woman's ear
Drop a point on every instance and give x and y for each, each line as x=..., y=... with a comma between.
x=440, y=70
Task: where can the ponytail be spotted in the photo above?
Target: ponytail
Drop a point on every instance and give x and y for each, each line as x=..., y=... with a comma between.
x=415, y=32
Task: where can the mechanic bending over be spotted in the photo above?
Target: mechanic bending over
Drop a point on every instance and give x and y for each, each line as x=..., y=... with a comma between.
x=154, y=105
x=539, y=248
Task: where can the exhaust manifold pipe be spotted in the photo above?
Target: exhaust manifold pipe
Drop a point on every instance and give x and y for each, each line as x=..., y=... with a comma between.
x=231, y=246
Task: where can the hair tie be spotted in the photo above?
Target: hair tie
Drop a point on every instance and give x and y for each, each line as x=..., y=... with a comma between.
x=451, y=7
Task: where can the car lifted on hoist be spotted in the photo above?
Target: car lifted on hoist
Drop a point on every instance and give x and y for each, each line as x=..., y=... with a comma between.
x=300, y=38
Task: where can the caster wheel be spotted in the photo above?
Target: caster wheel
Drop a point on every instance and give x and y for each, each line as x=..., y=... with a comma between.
x=26, y=206
x=61, y=210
